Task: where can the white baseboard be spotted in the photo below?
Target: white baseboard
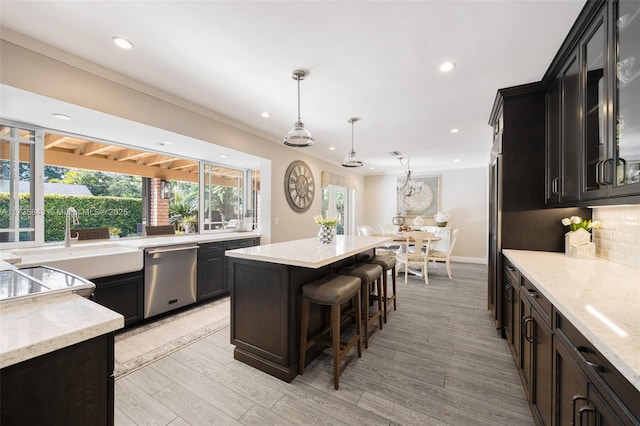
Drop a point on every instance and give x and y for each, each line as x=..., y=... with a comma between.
x=464, y=259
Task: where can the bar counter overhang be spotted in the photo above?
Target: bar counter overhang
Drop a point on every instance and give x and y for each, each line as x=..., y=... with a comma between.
x=265, y=285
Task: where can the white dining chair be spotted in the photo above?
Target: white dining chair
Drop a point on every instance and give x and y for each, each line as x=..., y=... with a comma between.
x=417, y=256
x=365, y=231
x=440, y=256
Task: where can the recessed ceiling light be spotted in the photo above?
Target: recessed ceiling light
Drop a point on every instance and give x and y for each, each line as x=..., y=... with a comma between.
x=265, y=114
x=166, y=143
x=332, y=148
x=372, y=168
x=454, y=130
x=224, y=156
x=61, y=116
x=122, y=43
x=447, y=66
x=457, y=160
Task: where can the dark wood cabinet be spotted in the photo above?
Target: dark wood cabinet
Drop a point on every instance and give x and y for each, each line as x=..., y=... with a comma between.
x=586, y=385
x=566, y=379
x=563, y=134
x=70, y=386
x=122, y=293
x=512, y=309
x=211, y=267
x=593, y=105
x=536, y=352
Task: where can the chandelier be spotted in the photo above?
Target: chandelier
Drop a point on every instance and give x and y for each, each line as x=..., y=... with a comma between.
x=408, y=188
x=298, y=136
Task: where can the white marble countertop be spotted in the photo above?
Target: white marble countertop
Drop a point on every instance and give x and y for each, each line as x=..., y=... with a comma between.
x=309, y=252
x=166, y=240
x=37, y=326
x=601, y=299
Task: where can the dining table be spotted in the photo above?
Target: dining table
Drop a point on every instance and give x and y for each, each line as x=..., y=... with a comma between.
x=401, y=240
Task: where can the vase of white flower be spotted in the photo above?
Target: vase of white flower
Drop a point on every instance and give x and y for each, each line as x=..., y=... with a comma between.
x=577, y=242
x=327, y=228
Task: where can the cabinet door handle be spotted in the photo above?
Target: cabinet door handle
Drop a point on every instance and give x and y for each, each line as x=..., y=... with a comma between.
x=530, y=339
x=599, y=173
x=555, y=188
x=533, y=294
x=579, y=351
x=510, y=268
x=585, y=409
x=604, y=171
x=575, y=399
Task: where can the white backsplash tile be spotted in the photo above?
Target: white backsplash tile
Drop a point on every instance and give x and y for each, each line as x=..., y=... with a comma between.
x=618, y=238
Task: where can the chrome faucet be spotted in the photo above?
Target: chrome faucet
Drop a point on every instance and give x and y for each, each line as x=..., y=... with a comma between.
x=72, y=214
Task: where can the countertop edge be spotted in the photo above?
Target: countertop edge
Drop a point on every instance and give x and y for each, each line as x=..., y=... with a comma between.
x=105, y=321
x=616, y=360
x=249, y=253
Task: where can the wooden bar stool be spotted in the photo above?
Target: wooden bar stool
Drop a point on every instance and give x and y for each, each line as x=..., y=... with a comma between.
x=388, y=263
x=332, y=290
x=371, y=277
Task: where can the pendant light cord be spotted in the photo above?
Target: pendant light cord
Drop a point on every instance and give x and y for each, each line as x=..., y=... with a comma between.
x=298, y=78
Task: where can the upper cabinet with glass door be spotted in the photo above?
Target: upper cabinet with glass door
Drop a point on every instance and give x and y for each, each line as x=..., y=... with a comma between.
x=611, y=55
x=626, y=106
x=593, y=126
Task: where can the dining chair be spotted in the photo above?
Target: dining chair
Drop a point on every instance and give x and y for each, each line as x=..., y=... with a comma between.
x=418, y=256
x=441, y=256
x=365, y=231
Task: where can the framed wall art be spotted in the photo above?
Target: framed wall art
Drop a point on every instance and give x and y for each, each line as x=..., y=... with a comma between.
x=418, y=197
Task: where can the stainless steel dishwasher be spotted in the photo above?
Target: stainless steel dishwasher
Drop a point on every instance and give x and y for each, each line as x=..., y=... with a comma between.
x=170, y=275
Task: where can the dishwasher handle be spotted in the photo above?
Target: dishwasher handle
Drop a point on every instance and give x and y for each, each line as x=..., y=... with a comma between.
x=170, y=249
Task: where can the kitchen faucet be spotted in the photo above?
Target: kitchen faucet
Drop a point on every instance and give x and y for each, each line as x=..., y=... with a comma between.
x=72, y=214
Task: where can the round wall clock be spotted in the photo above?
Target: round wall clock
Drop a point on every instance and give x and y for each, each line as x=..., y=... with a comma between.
x=299, y=186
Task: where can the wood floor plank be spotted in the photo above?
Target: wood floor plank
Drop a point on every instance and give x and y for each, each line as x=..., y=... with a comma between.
x=191, y=408
x=260, y=416
x=139, y=406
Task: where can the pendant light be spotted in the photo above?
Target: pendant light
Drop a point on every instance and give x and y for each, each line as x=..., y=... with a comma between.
x=298, y=136
x=350, y=160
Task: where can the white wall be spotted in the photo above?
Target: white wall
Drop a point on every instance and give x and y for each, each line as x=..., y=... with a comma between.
x=72, y=79
x=463, y=194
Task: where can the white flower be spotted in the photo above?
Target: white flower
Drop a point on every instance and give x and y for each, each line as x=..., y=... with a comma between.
x=566, y=221
x=595, y=224
x=576, y=219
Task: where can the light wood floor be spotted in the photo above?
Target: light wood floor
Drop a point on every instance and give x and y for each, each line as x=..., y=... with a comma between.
x=438, y=361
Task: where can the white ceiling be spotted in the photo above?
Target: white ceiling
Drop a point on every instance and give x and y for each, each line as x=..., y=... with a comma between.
x=377, y=60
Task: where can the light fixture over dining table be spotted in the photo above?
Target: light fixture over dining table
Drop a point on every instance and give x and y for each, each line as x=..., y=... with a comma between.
x=298, y=136
x=408, y=188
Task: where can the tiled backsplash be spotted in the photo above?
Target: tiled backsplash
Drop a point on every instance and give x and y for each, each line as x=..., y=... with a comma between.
x=618, y=238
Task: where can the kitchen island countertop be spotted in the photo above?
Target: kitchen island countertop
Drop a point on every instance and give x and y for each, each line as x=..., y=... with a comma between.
x=599, y=297
x=309, y=252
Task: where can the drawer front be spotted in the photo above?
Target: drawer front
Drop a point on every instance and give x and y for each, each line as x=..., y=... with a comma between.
x=236, y=244
x=614, y=386
x=539, y=302
x=511, y=273
x=205, y=248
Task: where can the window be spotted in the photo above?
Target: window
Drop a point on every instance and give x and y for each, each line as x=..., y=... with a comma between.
x=20, y=209
x=338, y=201
x=122, y=188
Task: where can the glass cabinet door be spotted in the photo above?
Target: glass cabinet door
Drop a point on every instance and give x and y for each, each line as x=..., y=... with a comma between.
x=626, y=155
x=595, y=129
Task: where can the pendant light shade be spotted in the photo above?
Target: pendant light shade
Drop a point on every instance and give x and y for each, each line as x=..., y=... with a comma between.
x=298, y=136
x=351, y=160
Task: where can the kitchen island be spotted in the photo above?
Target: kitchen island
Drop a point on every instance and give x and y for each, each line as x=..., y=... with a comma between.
x=266, y=283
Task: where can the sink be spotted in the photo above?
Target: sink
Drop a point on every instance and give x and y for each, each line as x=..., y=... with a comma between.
x=87, y=261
